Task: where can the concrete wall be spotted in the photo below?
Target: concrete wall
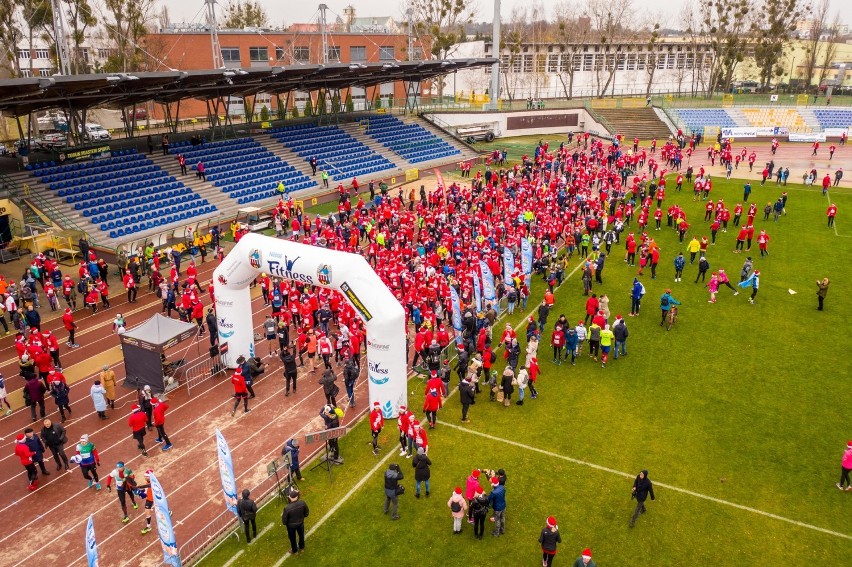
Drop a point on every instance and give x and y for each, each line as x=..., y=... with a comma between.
x=525, y=123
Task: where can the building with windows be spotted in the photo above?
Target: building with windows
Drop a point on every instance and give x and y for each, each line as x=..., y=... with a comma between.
x=40, y=60
x=244, y=49
x=673, y=65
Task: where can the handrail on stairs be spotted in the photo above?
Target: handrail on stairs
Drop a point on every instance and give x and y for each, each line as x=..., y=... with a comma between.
x=598, y=117
x=18, y=196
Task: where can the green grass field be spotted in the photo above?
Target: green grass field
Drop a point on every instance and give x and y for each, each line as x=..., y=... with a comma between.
x=737, y=413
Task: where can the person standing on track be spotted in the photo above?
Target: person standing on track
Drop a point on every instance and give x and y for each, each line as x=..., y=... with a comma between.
x=125, y=482
x=89, y=461
x=107, y=378
x=130, y=286
x=70, y=326
x=25, y=454
x=145, y=489
x=138, y=422
x=98, y=394
x=291, y=449
x=159, y=415
x=37, y=447
x=290, y=369
x=240, y=390
x=54, y=437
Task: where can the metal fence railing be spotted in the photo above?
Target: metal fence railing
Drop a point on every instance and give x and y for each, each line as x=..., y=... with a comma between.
x=195, y=375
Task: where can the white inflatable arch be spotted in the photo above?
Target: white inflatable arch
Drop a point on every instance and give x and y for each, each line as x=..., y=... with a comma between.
x=350, y=274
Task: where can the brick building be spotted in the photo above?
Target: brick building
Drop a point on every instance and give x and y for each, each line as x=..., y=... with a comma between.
x=191, y=50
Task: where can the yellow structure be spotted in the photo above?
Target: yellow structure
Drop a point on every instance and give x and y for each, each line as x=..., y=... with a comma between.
x=784, y=117
x=727, y=101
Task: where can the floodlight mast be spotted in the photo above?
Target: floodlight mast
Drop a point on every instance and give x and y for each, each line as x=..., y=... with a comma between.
x=495, y=52
x=324, y=32
x=218, y=63
x=61, y=38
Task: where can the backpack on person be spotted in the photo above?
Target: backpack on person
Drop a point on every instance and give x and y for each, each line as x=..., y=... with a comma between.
x=455, y=507
x=664, y=301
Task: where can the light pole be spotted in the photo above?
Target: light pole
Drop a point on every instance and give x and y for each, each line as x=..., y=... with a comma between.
x=494, y=92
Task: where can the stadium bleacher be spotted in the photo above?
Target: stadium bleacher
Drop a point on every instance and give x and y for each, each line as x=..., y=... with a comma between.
x=696, y=119
x=833, y=118
x=336, y=151
x=782, y=117
x=411, y=141
x=123, y=194
x=243, y=168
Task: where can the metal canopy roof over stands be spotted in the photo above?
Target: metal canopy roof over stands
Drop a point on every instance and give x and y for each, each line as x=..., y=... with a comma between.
x=22, y=96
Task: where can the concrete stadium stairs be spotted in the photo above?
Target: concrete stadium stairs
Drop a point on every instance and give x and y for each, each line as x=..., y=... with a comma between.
x=642, y=123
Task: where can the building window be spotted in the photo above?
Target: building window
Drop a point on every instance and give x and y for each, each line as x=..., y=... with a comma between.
x=107, y=53
x=631, y=61
x=517, y=60
x=302, y=54
x=386, y=53
x=23, y=54
x=26, y=73
x=229, y=54
x=553, y=63
x=417, y=54
x=619, y=61
x=528, y=63
x=576, y=61
x=588, y=58
x=504, y=63
x=681, y=61
x=357, y=54
x=42, y=54
x=540, y=59
x=334, y=55
x=279, y=54
x=258, y=54
x=640, y=64
x=45, y=72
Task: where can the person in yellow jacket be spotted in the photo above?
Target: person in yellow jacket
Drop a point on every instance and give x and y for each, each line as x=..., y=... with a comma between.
x=693, y=247
x=607, y=336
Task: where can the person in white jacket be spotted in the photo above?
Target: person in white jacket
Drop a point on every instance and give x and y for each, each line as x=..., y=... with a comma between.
x=523, y=379
x=532, y=349
x=580, y=329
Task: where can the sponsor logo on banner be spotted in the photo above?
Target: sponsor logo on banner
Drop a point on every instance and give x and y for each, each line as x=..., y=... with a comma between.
x=815, y=137
x=324, y=274
x=287, y=269
x=226, y=329
x=355, y=301
x=377, y=346
x=221, y=279
x=739, y=133
x=255, y=259
x=378, y=375
x=767, y=131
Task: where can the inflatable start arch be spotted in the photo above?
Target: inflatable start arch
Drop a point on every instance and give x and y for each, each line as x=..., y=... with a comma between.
x=350, y=274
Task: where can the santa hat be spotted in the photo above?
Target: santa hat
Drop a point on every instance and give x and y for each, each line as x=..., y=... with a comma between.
x=239, y=370
x=849, y=444
x=20, y=438
x=495, y=481
x=551, y=522
x=757, y=272
x=134, y=407
x=376, y=404
x=458, y=490
x=618, y=316
x=475, y=473
x=587, y=553
x=155, y=401
x=402, y=407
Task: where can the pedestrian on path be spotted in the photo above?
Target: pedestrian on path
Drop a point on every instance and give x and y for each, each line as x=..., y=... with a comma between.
x=240, y=390
x=642, y=487
x=3, y=399
x=54, y=437
x=138, y=422
x=89, y=461
x=125, y=482
x=23, y=452
x=294, y=519
x=159, y=415
x=59, y=390
x=549, y=539
x=248, y=512
x=98, y=394
x=107, y=378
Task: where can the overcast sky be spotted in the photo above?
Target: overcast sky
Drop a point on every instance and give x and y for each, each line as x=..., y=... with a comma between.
x=301, y=11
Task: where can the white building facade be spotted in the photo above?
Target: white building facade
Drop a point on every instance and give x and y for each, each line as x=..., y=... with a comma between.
x=559, y=71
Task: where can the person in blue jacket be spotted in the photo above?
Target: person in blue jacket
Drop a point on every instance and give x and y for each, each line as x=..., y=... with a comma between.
x=636, y=293
x=571, y=344
x=292, y=448
x=497, y=500
x=679, y=263
x=666, y=303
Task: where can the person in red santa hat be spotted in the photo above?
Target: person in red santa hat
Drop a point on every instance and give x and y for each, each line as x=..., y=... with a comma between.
x=585, y=560
x=138, y=422
x=549, y=539
x=240, y=390
x=26, y=456
x=377, y=423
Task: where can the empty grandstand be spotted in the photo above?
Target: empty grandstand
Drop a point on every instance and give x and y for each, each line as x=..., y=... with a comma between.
x=410, y=141
x=788, y=118
x=124, y=194
x=336, y=151
x=243, y=168
x=833, y=118
x=695, y=119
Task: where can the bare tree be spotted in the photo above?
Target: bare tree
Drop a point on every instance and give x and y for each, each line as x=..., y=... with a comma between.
x=514, y=37
x=830, y=50
x=10, y=35
x=609, y=18
x=80, y=17
x=37, y=16
x=443, y=21
x=723, y=26
x=126, y=28
x=572, y=33
x=653, y=56
x=772, y=31
x=241, y=14
x=695, y=52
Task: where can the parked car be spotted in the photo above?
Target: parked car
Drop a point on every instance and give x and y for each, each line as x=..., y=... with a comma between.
x=141, y=114
x=54, y=140
x=94, y=132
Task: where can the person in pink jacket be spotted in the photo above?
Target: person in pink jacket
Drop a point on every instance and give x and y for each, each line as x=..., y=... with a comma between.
x=713, y=286
x=846, y=466
x=458, y=506
x=470, y=491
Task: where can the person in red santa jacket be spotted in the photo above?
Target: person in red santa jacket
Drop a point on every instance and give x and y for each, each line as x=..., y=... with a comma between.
x=159, y=417
x=434, y=400
x=377, y=423
x=240, y=390
x=138, y=422
x=130, y=286
x=26, y=457
x=70, y=326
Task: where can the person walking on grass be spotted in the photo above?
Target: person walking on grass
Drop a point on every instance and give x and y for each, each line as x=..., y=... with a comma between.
x=752, y=281
x=642, y=488
x=422, y=472
x=666, y=303
x=822, y=291
x=125, y=482
x=585, y=559
x=497, y=500
x=392, y=477
x=293, y=519
x=247, y=510
x=478, y=511
x=466, y=396
x=458, y=507
x=549, y=539
x=845, y=468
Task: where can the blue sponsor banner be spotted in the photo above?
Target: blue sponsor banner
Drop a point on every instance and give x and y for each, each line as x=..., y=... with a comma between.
x=457, y=316
x=508, y=266
x=488, y=291
x=91, y=543
x=477, y=293
x=164, y=524
x=226, y=473
x=526, y=260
